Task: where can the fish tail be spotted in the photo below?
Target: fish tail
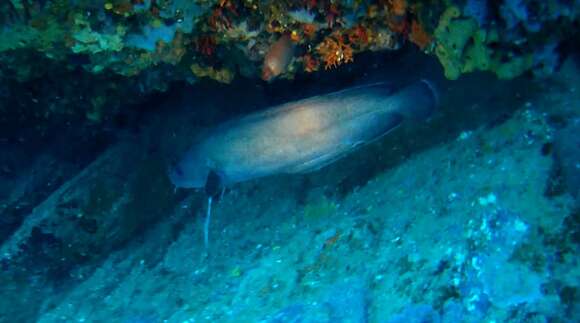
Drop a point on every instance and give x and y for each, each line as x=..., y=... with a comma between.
x=417, y=101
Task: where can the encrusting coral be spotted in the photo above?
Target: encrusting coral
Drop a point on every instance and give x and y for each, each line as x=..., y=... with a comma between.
x=334, y=51
x=122, y=38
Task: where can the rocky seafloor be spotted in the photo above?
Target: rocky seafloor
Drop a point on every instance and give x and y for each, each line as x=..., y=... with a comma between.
x=472, y=216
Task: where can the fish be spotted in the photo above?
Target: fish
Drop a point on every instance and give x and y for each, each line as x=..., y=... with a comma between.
x=301, y=136
x=277, y=58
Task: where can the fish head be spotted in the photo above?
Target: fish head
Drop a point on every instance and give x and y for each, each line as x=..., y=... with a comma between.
x=190, y=172
x=268, y=73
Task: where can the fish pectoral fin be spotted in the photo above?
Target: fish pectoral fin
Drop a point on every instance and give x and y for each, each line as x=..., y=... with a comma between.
x=315, y=164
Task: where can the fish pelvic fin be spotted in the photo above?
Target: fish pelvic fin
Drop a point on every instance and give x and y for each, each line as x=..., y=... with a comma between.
x=206, y=223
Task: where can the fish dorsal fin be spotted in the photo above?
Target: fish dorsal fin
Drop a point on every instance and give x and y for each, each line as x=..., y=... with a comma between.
x=259, y=115
x=387, y=87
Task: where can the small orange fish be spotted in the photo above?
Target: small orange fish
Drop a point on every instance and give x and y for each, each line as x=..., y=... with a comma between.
x=278, y=58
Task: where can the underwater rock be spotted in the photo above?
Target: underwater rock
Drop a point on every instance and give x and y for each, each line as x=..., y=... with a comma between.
x=21, y=191
x=423, y=238
x=567, y=154
x=508, y=285
x=347, y=301
x=479, y=10
x=97, y=211
x=343, y=302
x=149, y=37
x=416, y=314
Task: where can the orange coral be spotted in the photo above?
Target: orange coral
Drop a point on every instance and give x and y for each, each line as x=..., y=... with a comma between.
x=295, y=36
x=334, y=51
x=358, y=35
x=419, y=36
x=274, y=26
x=332, y=15
x=311, y=64
x=219, y=19
x=330, y=242
x=397, y=17
x=206, y=45
x=229, y=5
x=173, y=52
x=398, y=7
x=310, y=4
x=309, y=30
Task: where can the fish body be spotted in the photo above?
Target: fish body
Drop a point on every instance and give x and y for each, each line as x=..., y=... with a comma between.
x=301, y=136
x=278, y=57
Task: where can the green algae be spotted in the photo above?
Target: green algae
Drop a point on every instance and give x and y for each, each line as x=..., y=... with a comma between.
x=463, y=47
x=320, y=208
